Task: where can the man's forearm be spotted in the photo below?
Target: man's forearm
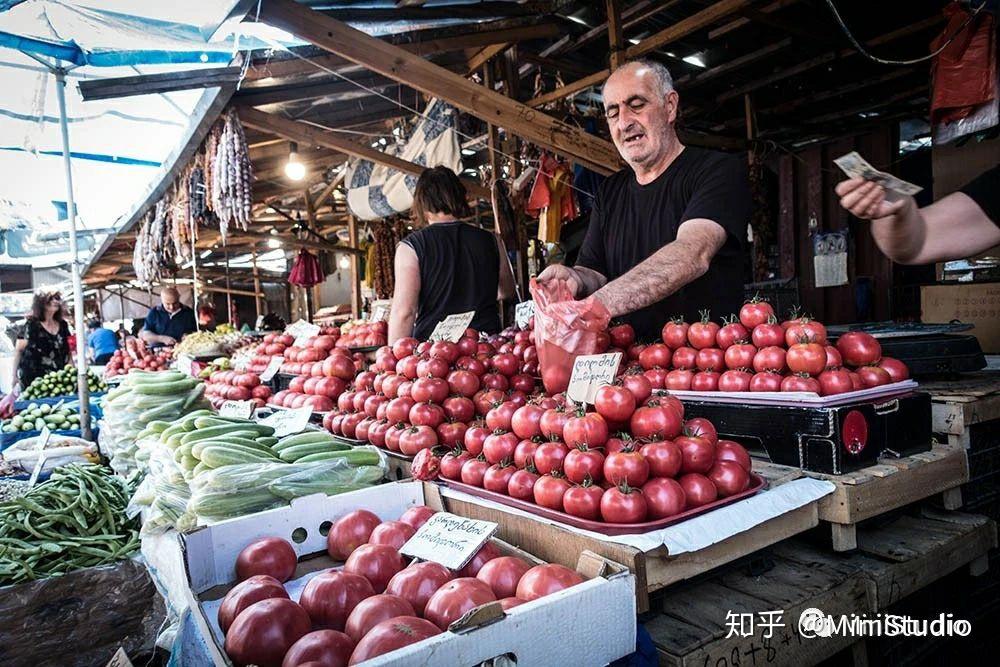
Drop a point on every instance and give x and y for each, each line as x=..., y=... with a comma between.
x=148, y=336
x=901, y=236
x=400, y=325
x=590, y=281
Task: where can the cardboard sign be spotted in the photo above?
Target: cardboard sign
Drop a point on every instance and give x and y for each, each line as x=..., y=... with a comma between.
x=272, y=369
x=452, y=327
x=380, y=311
x=119, y=659
x=241, y=363
x=302, y=329
x=184, y=362
x=449, y=540
x=523, y=312
x=590, y=372
x=238, y=409
x=288, y=422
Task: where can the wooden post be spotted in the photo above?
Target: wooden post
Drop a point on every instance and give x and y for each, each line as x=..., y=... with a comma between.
x=229, y=293
x=311, y=217
x=352, y=231
x=256, y=285
x=615, y=38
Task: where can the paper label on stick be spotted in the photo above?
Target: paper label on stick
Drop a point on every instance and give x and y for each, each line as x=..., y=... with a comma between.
x=238, y=409
x=590, y=372
x=241, y=363
x=523, y=312
x=184, y=364
x=272, y=368
x=449, y=540
x=302, y=329
x=380, y=311
x=452, y=327
x=43, y=441
x=119, y=659
x=288, y=422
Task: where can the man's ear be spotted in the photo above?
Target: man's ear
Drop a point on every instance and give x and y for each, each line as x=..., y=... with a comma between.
x=672, y=104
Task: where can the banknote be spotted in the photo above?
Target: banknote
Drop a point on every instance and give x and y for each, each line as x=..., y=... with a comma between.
x=856, y=166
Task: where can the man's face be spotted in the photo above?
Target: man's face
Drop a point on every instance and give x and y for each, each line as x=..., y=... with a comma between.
x=171, y=303
x=639, y=117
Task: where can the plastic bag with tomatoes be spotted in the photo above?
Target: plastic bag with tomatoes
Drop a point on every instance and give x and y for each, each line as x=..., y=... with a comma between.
x=564, y=329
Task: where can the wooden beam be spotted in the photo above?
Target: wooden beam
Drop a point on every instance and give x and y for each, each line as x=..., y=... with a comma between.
x=352, y=231
x=485, y=55
x=690, y=80
x=569, y=89
x=616, y=40
x=557, y=64
x=398, y=64
x=165, y=82
x=740, y=22
x=310, y=136
x=255, y=96
x=480, y=10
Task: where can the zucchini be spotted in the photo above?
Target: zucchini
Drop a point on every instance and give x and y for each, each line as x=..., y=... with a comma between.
x=319, y=456
x=157, y=426
x=166, y=388
x=267, y=440
x=182, y=451
x=200, y=468
x=165, y=409
x=197, y=447
x=226, y=455
x=215, y=431
x=307, y=438
x=194, y=396
x=298, y=451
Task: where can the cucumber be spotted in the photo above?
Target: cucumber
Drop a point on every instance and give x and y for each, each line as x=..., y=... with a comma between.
x=195, y=396
x=189, y=463
x=170, y=407
x=182, y=451
x=157, y=426
x=319, y=456
x=220, y=455
x=307, y=438
x=200, y=468
x=147, y=377
x=296, y=452
x=198, y=447
x=166, y=388
x=174, y=441
x=206, y=433
x=267, y=440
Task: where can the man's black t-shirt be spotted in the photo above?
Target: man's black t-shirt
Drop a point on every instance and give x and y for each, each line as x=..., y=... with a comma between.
x=985, y=191
x=630, y=222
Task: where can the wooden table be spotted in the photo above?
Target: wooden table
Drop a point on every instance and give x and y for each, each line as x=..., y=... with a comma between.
x=973, y=398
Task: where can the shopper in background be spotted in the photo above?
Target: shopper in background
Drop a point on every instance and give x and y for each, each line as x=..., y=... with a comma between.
x=963, y=224
x=101, y=342
x=667, y=235
x=42, y=347
x=449, y=266
x=167, y=323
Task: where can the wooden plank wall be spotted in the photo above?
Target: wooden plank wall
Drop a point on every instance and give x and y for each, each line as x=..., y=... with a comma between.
x=807, y=204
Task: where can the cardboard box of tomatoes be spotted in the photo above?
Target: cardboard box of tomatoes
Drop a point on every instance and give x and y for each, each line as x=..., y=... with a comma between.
x=566, y=626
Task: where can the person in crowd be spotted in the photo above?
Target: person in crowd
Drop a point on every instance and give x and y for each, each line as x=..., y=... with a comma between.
x=101, y=342
x=448, y=266
x=206, y=316
x=958, y=226
x=42, y=347
x=167, y=323
x=667, y=234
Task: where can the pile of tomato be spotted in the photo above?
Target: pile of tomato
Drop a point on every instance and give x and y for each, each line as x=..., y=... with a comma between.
x=376, y=603
x=754, y=352
x=322, y=382
x=236, y=386
x=364, y=334
x=272, y=345
x=137, y=355
x=422, y=395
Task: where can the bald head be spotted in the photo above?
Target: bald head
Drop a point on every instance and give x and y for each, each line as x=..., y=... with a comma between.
x=641, y=107
x=171, y=299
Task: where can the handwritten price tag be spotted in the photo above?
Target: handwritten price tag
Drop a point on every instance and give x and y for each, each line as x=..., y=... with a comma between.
x=184, y=364
x=272, y=368
x=288, y=422
x=302, y=329
x=523, y=312
x=238, y=409
x=452, y=327
x=380, y=311
x=449, y=540
x=241, y=363
x=590, y=372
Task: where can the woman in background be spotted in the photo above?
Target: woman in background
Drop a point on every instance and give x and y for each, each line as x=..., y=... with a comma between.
x=42, y=347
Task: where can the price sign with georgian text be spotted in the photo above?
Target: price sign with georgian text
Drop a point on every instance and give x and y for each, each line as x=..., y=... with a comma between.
x=452, y=327
x=523, y=312
x=590, y=372
x=184, y=363
x=302, y=329
x=449, y=540
x=238, y=409
x=380, y=310
x=288, y=422
x=272, y=368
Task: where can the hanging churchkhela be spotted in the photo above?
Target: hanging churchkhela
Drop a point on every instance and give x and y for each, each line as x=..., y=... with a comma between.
x=231, y=177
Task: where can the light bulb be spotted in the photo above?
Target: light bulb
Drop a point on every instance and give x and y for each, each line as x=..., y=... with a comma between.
x=273, y=243
x=345, y=262
x=294, y=169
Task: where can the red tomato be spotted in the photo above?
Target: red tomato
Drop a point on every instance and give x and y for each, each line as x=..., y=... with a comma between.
x=771, y=358
x=403, y=347
x=675, y=333
x=550, y=457
x=664, y=498
x=463, y=383
x=425, y=466
x=264, y=631
x=474, y=470
x=506, y=364
x=418, y=582
x=272, y=556
x=583, y=463
x=452, y=434
x=614, y=403
x=833, y=358
x=522, y=484
x=445, y=349
x=700, y=427
x=375, y=562
x=805, y=330
x=679, y=380
x=452, y=462
x=552, y=423
x=896, y=369
x=349, y=532
x=756, y=312
x=859, y=349
x=638, y=385
x=416, y=438
x=475, y=436
x=391, y=533
x=494, y=380
x=455, y=599
x=623, y=504
x=705, y=381
x=800, y=382
x=459, y=409
x=728, y=450
x=629, y=468
x=729, y=478
x=331, y=596
x=497, y=477
x=622, y=336
x=656, y=377
x=393, y=435
x=583, y=501
x=486, y=553
x=663, y=458
x=429, y=389
x=873, y=376
x=398, y=409
x=685, y=358
x=417, y=516
x=328, y=648
x=711, y=359
x=809, y=358
x=836, y=381
x=543, y=580
x=502, y=575
x=242, y=595
x=768, y=334
x=655, y=421
x=656, y=355
x=731, y=333
x=525, y=422
x=585, y=429
x=697, y=454
x=549, y=490
x=499, y=416
x=665, y=400
x=525, y=452
x=735, y=381
x=740, y=356
x=499, y=446
x=393, y=634
x=523, y=382
x=702, y=334
x=698, y=490
x=427, y=414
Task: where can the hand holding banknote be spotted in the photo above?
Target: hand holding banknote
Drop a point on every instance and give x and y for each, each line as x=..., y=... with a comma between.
x=871, y=194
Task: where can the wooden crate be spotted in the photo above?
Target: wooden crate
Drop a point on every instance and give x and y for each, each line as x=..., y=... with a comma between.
x=959, y=404
x=397, y=466
x=881, y=488
x=653, y=570
x=689, y=626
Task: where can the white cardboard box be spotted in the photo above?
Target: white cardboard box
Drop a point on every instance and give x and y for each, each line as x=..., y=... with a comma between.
x=593, y=623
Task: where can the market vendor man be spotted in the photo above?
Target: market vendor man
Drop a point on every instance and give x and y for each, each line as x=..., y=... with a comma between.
x=667, y=234
x=167, y=323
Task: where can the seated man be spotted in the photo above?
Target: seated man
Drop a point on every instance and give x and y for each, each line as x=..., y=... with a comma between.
x=167, y=323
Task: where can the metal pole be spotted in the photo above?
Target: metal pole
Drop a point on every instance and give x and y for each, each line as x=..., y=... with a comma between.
x=83, y=389
x=229, y=293
x=256, y=284
x=194, y=275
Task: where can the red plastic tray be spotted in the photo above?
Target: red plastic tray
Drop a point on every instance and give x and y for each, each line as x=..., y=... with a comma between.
x=756, y=484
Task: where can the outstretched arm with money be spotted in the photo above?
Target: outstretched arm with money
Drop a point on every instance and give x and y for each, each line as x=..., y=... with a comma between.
x=955, y=227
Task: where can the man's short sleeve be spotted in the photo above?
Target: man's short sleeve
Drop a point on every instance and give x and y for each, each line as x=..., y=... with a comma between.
x=151, y=323
x=593, y=254
x=722, y=194
x=985, y=191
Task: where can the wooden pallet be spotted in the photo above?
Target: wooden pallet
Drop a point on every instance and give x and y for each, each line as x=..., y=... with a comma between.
x=957, y=405
x=881, y=488
x=689, y=626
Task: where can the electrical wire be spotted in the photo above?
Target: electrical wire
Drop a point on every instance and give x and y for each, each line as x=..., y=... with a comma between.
x=883, y=61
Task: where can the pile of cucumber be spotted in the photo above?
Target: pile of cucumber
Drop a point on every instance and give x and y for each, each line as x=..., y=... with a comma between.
x=61, y=383
x=35, y=417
